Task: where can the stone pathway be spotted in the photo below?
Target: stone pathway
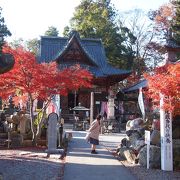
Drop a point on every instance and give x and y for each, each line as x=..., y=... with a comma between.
x=33, y=164
x=82, y=165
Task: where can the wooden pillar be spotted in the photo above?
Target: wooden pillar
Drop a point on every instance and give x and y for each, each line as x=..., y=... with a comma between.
x=91, y=107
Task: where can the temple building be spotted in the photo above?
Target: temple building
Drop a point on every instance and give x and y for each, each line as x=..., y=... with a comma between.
x=90, y=54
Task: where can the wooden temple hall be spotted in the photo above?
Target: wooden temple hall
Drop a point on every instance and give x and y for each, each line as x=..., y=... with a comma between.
x=90, y=54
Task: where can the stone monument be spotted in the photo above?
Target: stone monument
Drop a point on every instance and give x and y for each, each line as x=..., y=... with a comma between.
x=22, y=125
x=52, y=134
x=166, y=138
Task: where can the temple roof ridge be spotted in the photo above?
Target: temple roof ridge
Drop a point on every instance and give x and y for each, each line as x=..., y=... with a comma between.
x=88, y=52
x=78, y=40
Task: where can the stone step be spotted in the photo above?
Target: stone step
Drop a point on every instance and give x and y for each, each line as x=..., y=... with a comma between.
x=1, y=129
x=2, y=142
x=3, y=135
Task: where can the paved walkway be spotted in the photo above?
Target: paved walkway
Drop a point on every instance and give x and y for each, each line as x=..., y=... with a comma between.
x=82, y=165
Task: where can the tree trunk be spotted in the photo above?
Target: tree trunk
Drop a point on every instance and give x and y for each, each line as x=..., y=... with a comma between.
x=34, y=140
x=39, y=126
x=32, y=122
x=36, y=134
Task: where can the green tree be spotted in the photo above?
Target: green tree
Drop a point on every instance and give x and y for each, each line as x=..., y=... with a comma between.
x=33, y=46
x=6, y=60
x=52, y=31
x=97, y=19
x=17, y=43
x=176, y=21
x=4, y=32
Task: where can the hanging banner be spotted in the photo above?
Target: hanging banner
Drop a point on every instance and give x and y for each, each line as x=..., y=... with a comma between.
x=56, y=101
x=54, y=105
x=141, y=103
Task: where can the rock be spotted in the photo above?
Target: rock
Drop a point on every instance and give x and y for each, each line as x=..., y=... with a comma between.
x=134, y=124
x=155, y=138
x=138, y=145
x=120, y=152
x=129, y=132
x=125, y=142
x=176, y=142
x=154, y=156
x=133, y=138
x=176, y=154
x=141, y=131
x=176, y=158
x=128, y=125
x=176, y=133
x=130, y=156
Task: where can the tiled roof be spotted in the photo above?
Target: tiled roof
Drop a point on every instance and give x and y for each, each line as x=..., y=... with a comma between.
x=136, y=87
x=52, y=48
x=77, y=39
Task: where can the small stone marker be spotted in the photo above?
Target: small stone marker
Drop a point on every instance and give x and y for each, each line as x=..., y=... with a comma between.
x=52, y=134
x=147, y=141
x=22, y=125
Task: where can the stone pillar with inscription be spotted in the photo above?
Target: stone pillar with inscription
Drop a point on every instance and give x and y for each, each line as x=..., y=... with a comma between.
x=166, y=138
x=52, y=134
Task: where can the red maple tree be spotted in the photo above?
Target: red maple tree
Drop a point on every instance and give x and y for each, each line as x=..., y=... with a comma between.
x=166, y=81
x=164, y=16
x=39, y=81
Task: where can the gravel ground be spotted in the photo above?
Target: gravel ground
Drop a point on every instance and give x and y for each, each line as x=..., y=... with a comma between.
x=28, y=164
x=142, y=173
x=151, y=174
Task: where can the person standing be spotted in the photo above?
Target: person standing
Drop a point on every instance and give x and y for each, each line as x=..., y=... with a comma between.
x=94, y=132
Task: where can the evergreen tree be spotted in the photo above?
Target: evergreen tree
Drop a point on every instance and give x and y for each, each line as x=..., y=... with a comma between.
x=52, y=31
x=4, y=32
x=97, y=19
x=176, y=21
x=33, y=45
x=6, y=60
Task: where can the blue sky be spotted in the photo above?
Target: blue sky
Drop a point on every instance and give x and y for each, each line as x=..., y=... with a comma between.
x=29, y=19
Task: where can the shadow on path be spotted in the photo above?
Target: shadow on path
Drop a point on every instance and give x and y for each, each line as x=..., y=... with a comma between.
x=82, y=165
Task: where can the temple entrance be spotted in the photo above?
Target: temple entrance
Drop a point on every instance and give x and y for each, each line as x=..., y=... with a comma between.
x=89, y=54
x=73, y=100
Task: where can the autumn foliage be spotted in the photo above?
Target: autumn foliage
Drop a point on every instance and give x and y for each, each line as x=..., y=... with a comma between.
x=164, y=16
x=29, y=80
x=40, y=80
x=166, y=80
